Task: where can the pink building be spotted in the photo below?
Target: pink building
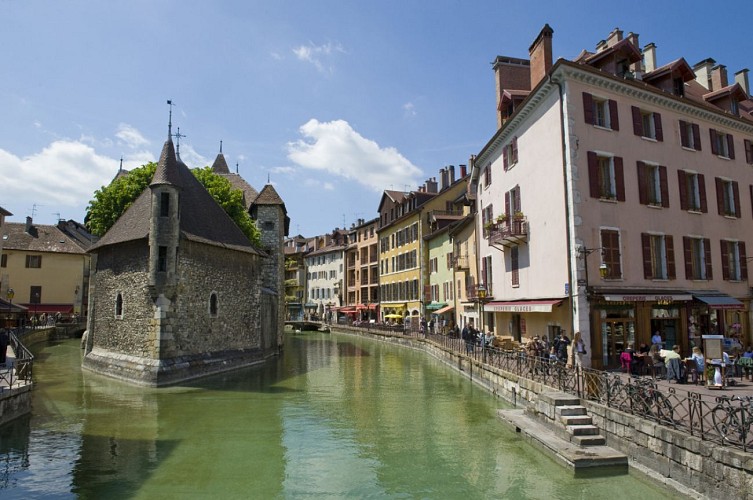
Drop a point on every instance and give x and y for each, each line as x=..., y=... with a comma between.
x=616, y=198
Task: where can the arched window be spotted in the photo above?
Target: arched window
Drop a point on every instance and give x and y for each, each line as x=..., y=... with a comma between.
x=213, y=304
x=119, y=306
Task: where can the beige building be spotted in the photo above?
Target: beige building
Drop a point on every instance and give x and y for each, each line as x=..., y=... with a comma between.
x=616, y=198
x=46, y=266
x=362, y=272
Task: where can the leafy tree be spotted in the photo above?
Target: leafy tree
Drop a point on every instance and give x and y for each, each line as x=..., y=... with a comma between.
x=111, y=201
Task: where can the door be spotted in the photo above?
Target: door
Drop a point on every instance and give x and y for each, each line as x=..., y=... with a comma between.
x=617, y=333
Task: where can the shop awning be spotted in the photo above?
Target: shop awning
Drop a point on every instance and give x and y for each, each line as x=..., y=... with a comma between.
x=435, y=305
x=720, y=301
x=49, y=308
x=648, y=297
x=444, y=310
x=543, y=305
x=347, y=310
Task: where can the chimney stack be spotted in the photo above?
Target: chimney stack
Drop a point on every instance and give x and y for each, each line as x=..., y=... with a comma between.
x=702, y=72
x=431, y=185
x=540, y=53
x=741, y=77
x=28, y=224
x=614, y=37
x=649, y=57
x=442, y=179
x=451, y=168
x=463, y=171
x=719, y=77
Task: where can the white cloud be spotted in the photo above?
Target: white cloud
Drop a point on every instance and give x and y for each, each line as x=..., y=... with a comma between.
x=191, y=158
x=315, y=54
x=409, y=109
x=282, y=170
x=131, y=136
x=334, y=147
x=62, y=177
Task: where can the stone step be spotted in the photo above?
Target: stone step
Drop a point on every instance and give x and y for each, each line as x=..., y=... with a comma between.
x=560, y=399
x=583, y=430
x=589, y=440
x=570, y=420
x=567, y=410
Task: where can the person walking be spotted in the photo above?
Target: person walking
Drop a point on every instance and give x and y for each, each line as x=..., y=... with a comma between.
x=579, y=350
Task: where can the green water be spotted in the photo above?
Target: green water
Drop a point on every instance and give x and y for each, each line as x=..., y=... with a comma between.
x=335, y=417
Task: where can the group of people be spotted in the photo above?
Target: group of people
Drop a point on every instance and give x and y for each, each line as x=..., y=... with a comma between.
x=560, y=349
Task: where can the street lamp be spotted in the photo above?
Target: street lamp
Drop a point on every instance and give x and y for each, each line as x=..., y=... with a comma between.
x=603, y=268
x=36, y=301
x=9, y=295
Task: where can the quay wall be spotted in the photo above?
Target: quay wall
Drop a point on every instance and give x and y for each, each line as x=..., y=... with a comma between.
x=671, y=457
x=14, y=403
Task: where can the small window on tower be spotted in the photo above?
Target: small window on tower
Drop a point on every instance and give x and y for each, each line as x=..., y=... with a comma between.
x=213, y=304
x=119, y=306
x=162, y=260
x=164, y=206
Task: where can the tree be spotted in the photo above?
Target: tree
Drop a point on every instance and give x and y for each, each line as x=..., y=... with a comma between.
x=110, y=202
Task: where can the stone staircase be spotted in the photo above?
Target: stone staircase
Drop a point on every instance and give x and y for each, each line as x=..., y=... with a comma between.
x=557, y=422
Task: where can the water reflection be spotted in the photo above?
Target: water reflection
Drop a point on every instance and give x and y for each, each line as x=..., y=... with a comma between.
x=334, y=417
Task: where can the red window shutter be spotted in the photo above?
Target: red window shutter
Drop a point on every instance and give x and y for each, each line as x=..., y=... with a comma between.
x=702, y=193
x=515, y=266
x=664, y=186
x=593, y=175
x=614, y=120
x=707, y=252
x=514, y=150
x=725, y=260
x=648, y=268
x=670, y=247
x=518, y=200
x=719, y=195
x=505, y=159
x=748, y=152
x=736, y=195
x=682, y=182
x=714, y=145
x=642, y=184
x=637, y=121
x=657, y=127
x=730, y=147
x=507, y=205
x=743, y=261
x=588, y=108
x=697, y=137
x=688, y=252
x=619, y=178
x=684, y=134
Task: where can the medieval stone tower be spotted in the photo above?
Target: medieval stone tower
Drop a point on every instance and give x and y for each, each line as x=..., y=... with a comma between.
x=178, y=291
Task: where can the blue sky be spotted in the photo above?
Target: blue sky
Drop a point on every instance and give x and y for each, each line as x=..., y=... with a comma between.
x=334, y=101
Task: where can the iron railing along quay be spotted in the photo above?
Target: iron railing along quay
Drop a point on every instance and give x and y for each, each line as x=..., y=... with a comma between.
x=21, y=371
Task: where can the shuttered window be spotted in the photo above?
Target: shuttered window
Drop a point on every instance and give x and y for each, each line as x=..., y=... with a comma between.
x=600, y=112
x=728, y=197
x=514, y=267
x=610, y=253
x=647, y=124
x=690, y=135
x=722, y=144
x=606, y=177
x=653, y=188
x=734, y=261
x=748, y=151
x=658, y=256
x=697, y=252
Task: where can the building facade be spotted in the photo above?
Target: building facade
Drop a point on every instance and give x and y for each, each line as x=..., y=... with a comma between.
x=362, y=272
x=610, y=199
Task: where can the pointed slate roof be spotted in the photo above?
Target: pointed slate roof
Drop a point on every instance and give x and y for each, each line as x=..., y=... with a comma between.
x=220, y=165
x=220, y=168
x=268, y=196
x=201, y=218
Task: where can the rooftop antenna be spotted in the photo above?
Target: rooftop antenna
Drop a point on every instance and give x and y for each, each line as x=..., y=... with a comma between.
x=34, y=210
x=177, y=136
x=170, y=121
x=267, y=177
x=57, y=216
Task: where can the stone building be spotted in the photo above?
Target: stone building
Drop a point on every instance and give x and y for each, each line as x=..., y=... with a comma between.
x=178, y=291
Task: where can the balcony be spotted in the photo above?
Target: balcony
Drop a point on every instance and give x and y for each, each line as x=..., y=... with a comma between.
x=508, y=233
x=461, y=262
x=293, y=283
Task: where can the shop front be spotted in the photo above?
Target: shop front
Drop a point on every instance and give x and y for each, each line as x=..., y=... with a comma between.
x=622, y=319
x=716, y=313
x=524, y=319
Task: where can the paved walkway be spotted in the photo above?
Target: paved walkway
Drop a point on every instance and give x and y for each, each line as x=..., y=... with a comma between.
x=742, y=386
x=8, y=371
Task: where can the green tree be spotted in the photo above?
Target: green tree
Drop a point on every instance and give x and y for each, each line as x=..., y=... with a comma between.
x=109, y=202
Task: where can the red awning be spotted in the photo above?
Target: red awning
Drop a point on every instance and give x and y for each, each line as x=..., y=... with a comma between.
x=444, y=310
x=544, y=305
x=347, y=310
x=49, y=308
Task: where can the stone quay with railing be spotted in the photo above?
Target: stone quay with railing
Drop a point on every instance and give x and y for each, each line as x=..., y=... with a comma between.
x=694, y=442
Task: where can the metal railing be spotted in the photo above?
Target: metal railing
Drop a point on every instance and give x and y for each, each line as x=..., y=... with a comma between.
x=21, y=371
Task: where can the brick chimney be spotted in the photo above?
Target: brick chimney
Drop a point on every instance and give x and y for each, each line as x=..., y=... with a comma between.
x=718, y=77
x=443, y=179
x=540, y=52
x=741, y=77
x=463, y=171
x=28, y=224
x=614, y=37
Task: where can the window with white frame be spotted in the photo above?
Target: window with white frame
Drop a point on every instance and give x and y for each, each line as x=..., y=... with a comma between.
x=734, y=262
x=690, y=135
x=692, y=191
x=647, y=124
x=697, y=258
x=722, y=144
x=728, y=197
x=600, y=112
x=658, y=256
x=606, y=176
x=652, y=185
x=510, y=154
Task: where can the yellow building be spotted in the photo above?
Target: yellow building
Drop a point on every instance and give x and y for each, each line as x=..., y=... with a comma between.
x=404, y=220
x=46, y=266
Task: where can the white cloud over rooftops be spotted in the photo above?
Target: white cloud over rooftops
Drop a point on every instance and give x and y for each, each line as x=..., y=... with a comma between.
x=334, y=147
x=316, y=54
x=131, y=136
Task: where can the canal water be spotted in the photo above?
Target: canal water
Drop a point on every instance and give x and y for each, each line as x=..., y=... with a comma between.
x=335, y=416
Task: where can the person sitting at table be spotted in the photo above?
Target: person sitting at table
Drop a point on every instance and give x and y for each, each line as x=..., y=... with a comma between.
x=748, y=352
x=700, y=363
x=655, y=362
x=656, y=339
x=672, y=362
x=643, y=349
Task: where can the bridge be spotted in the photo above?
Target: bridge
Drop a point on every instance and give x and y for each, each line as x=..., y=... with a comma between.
x=308, y=326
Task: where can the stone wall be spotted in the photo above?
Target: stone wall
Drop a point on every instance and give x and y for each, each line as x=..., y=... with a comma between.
x=15, y=403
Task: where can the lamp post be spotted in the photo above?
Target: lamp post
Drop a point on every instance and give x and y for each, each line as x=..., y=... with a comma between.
x=9, y=295
x=603, y=268
x=36, y=301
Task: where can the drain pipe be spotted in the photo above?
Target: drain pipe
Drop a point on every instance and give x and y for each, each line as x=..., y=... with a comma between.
x=568, y=233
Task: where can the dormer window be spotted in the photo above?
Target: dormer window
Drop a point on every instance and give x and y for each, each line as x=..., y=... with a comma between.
x=679, y=87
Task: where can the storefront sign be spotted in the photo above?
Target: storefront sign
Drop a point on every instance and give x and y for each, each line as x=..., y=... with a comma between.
x=545, y=308
x=659, y=299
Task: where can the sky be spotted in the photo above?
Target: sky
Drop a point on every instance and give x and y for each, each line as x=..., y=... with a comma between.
x=331, y=102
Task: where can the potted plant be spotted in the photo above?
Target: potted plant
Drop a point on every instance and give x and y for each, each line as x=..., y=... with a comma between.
x=519, y=215
x=501, y=218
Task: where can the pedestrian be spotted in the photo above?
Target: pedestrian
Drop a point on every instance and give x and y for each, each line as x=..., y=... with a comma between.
x=562, y=347
x=3, y=345
x=579, y=350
